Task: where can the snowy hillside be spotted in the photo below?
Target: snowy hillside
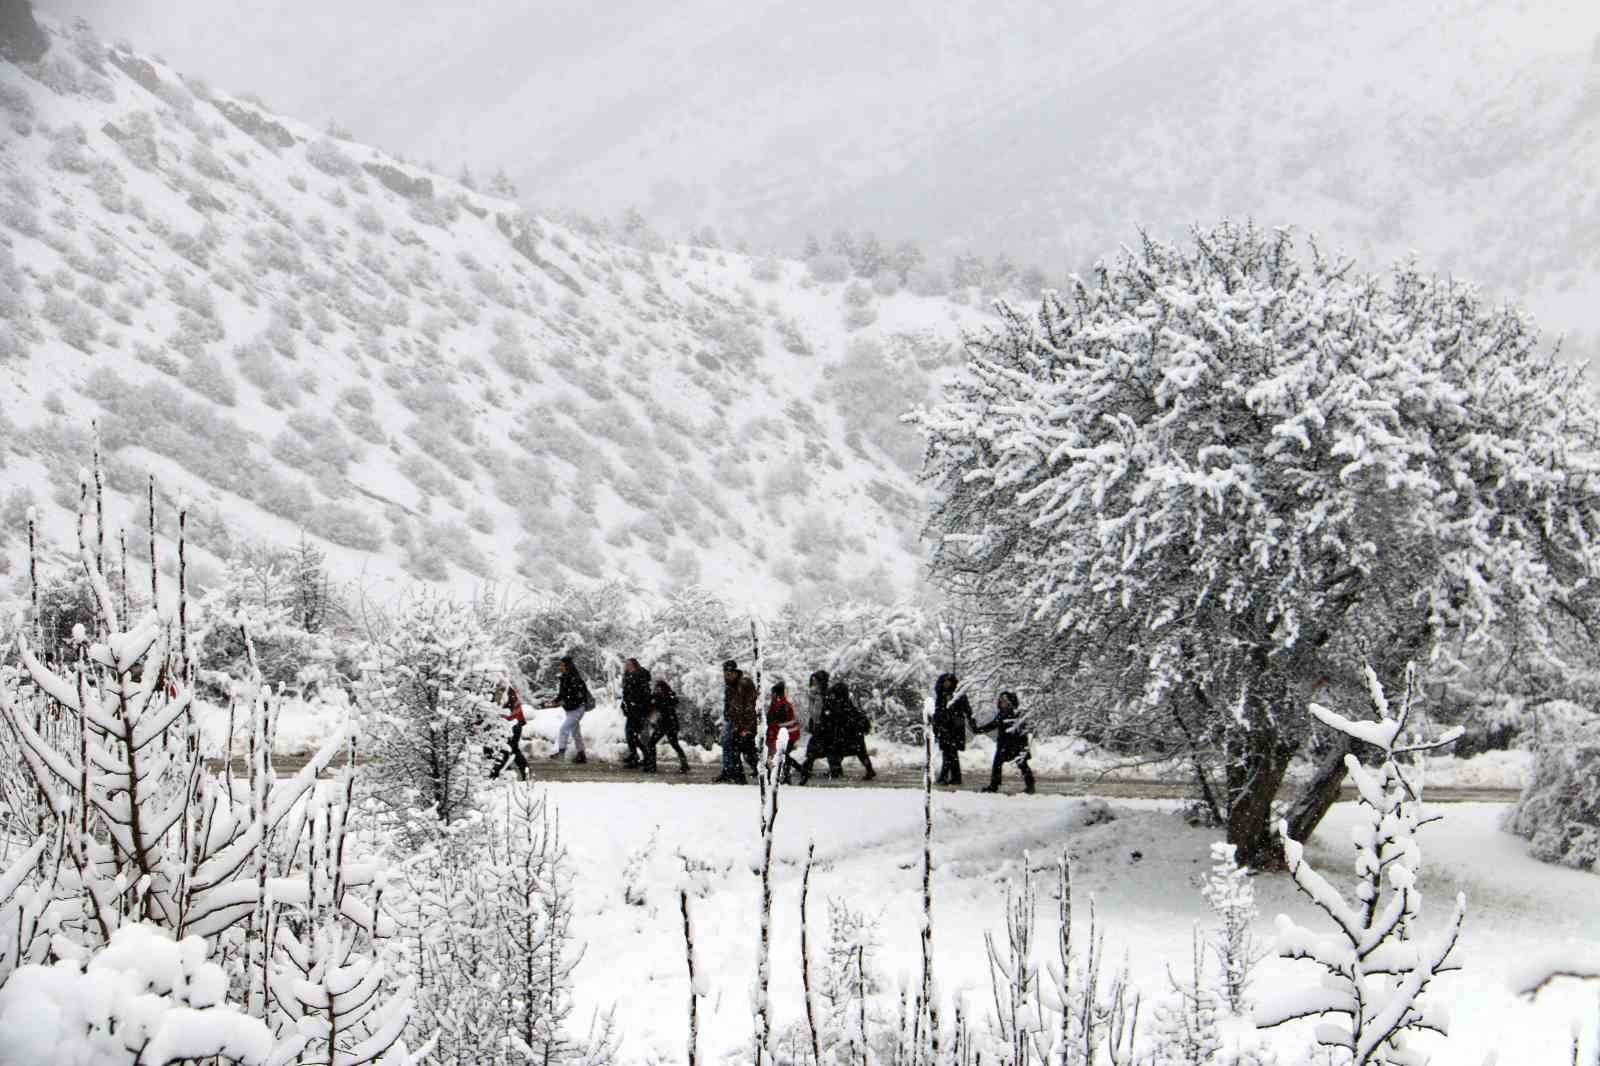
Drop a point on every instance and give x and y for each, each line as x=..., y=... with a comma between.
x=304, y=334
x=1044, y=130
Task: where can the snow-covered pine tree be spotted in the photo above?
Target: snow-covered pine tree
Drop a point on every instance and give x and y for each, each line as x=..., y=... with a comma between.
x=426, y=691
x=1185, y=1029
x=1232, y=897
x=136, y=830
x=1253, y=490
x=1376, y=967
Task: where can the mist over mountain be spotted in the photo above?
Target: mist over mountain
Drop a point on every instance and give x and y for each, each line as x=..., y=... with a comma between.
x=1468, y=132
x=308, y=337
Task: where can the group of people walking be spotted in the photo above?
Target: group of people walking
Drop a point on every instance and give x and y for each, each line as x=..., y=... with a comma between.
x=838, y=730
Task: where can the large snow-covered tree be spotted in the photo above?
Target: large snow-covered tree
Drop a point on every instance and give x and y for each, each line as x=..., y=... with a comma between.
x=1228, y=472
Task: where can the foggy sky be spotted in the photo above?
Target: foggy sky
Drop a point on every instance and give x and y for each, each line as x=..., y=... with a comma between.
x=1048, y=130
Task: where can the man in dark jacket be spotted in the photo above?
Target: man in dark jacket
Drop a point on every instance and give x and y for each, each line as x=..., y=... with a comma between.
x=573, y=698
x=635, y=710
x=739, y=720
x=664, y=726
x=1010, y=740
x=950, y=714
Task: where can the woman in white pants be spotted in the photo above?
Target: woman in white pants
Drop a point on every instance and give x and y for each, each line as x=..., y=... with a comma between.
x=573, y=697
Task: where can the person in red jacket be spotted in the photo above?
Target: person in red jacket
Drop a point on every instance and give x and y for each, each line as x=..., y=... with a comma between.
x=782, y=721
x=513, y=704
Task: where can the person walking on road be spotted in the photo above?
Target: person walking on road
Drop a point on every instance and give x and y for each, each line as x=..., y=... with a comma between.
x=663, y=726
x=739, y=722
x=950, y=715
x=1010, y=740
x=851, y=726
x=513, y=703
x=823, y=731
x=782, y=721
x=573, y=697
x=635, y=711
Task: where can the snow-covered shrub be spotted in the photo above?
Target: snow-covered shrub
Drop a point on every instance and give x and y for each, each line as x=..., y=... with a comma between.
x=327, y=156
x=345, y=524
x=258, y=364
x=76, y=324
x=429, y=479
x=828, y=269
x=426, y=690
x=488, y=906
x=1232, y=898
x=1376, y=969
x=17, y=106
x=1559, y=810
x=275, y=890
x=143, y=998
x=1184, y=1030
x=205, y=375
x=69, y=150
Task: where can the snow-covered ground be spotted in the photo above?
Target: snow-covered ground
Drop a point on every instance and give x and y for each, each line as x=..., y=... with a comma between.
x=1141, y=868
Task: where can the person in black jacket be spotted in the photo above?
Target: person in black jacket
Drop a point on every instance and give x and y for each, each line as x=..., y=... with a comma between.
x=573, y=697
x=950, y=714
x=664, y=726
x=821, y=727
x=635, y=711
x=1010, y=740
x=850, y=725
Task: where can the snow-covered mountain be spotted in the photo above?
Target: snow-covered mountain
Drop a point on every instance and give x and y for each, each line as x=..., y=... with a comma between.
x=305, y=335
x=1467, y=130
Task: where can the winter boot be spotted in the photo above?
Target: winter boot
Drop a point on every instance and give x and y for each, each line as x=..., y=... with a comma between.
x=579, y=759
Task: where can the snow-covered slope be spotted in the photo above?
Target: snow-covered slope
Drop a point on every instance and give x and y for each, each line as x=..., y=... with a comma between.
x=1046, y=129
x=304, y=334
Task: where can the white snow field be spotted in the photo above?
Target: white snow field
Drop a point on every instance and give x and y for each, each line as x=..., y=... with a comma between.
x=1142, y=870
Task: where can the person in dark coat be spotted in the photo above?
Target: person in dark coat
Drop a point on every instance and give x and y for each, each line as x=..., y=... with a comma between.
x=739, y=721
x=823, y=733
x=635, y=710
x=513, y=704
x=1010, y=740
x=852, y=725
x=950, y=715
x=664, y=726
x=573, y=698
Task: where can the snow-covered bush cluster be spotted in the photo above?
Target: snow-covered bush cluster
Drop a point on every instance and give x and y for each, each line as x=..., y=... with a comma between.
x=1559, y=812
x=155, y=888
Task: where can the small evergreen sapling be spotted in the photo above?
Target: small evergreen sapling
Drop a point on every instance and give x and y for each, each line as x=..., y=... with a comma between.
x=1232, y=897
x=1377, y=969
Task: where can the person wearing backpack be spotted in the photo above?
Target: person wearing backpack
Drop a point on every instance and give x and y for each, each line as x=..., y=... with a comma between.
x=635, y=710
x=1010, y=741
x=518, y=719
x=852, y=726
x=663, y=726
x=573, y=697
x=824, y=730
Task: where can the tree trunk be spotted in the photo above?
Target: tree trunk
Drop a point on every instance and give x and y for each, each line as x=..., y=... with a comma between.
x=1321, y=792
x=1257, y=753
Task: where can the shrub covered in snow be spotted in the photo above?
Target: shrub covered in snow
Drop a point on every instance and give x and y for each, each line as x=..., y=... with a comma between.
x=1559, y=811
